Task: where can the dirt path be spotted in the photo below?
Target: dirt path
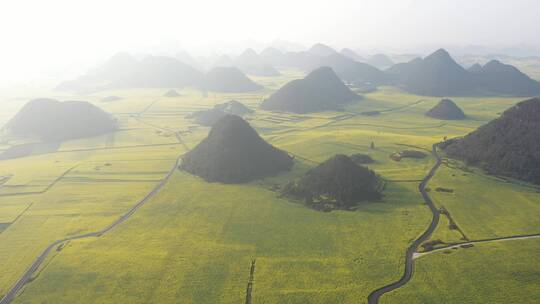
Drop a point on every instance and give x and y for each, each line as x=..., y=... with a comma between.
x=27, y=275
x=176, y=133
x=411, y=253
x=374, y=296
x=402, y=107
x=10, y=295
x=467, y=244
x=148, y=106
x=54, y=182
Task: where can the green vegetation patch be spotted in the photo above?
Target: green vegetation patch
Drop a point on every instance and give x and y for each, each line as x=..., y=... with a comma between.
x=502, y=272
x=194, y=235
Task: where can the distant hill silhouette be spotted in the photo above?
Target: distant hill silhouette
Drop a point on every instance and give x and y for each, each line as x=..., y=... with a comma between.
x=234, y=107
x=351, y=54
x=228, y=79
x=51, y=120
x=345, y=67
x=207, y=117
x=475, y=68
x=499, y=78
x=337, y=183
x=233, y=152
x=251, y=63
x=211, y=116
x=380, y=61
x=508, y=145
x=322, y=50
x=171, y=93
x=319, y=91
x=446, y=109
x=439, y=75
x=272, y=56
x=352, y=71
x=301, y=60
x=123, y=71
x=186, y=58
x=159, y=72
x=223, y=61
x=118, y=67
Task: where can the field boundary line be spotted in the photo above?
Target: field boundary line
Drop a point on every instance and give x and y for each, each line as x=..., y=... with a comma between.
x=176, y=133
x=27, y=275
x=148, y=106
x=54, y=182
x=18, y=217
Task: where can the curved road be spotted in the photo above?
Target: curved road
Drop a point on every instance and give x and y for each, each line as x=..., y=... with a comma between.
x=10, y=295
x=374, y=296
x=499, y=239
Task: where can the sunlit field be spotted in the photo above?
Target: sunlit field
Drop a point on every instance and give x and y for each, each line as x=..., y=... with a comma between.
x=194, y=242
x=503, y=272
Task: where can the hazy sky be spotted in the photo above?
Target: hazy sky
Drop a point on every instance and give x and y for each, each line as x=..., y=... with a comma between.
x=44, y=35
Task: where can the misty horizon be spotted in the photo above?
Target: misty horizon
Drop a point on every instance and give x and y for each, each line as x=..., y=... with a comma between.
x=73, y=36
x=249, y=151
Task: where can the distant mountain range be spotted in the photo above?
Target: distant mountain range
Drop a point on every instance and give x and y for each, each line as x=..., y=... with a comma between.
x=350, y=70
x=251, y=63
x=380, y=61
x=505, y=79
x=228, y=79
x=322, y=50
x=123, y=71
x=351, y=54
x=435, y=75
x=440, y=75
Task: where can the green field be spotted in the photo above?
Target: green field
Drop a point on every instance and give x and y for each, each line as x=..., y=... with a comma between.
x=504, y=272
x=194, y=241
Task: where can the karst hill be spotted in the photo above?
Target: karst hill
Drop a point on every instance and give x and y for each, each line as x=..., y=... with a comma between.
x=321, y=90
x=337, y=183
x=507, y=146
x=446, y=109
x=51, y=120
x=228, y=80
x=233, y=152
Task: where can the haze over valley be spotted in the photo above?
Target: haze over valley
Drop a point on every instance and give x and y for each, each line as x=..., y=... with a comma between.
x=270, y=152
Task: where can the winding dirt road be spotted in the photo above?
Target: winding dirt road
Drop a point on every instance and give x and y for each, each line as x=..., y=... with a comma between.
x=10, y=295
x=374, y=296
x=411, y=253
x=458, y=245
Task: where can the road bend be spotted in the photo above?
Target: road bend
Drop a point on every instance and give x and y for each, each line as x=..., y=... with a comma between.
x=27, y=275
x=374, y=296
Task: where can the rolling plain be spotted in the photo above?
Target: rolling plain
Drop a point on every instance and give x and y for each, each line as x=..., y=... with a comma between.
x=194, y=242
